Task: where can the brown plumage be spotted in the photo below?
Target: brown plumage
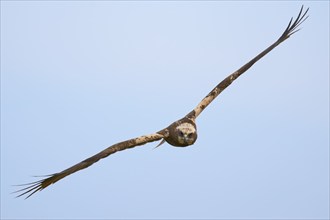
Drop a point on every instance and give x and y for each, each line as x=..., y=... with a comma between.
x=180, y=133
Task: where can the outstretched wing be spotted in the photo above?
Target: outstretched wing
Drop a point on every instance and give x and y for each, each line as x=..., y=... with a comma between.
x=34, y=187
x=291, y=29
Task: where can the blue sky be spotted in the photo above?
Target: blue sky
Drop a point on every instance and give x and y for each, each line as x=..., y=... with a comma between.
x=79, y=76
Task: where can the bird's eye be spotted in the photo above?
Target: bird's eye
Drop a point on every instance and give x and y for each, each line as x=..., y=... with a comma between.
x=181, y=133
x=190, y=135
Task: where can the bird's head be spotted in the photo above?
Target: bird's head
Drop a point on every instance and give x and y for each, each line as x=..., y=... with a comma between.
x=186, y=134
x=182, y=133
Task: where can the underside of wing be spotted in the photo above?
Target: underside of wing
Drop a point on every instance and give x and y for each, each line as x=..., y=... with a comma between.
x=290, y=30
x=31, y=188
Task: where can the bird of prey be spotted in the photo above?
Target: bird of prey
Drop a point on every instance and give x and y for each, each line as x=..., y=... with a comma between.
x=181, y=133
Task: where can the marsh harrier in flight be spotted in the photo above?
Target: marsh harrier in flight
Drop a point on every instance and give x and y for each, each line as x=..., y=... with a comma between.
x=181, y=133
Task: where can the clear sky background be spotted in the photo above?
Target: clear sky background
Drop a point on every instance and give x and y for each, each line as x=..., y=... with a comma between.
x=79, y=76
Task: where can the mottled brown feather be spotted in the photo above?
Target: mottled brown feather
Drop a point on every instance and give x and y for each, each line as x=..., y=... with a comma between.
x=53, y=178
x=291, y=29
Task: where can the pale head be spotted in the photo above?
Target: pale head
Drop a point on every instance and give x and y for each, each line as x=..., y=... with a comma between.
x=186, y=134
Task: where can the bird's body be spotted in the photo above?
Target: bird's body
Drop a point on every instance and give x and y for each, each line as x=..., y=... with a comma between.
x=180, y=133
